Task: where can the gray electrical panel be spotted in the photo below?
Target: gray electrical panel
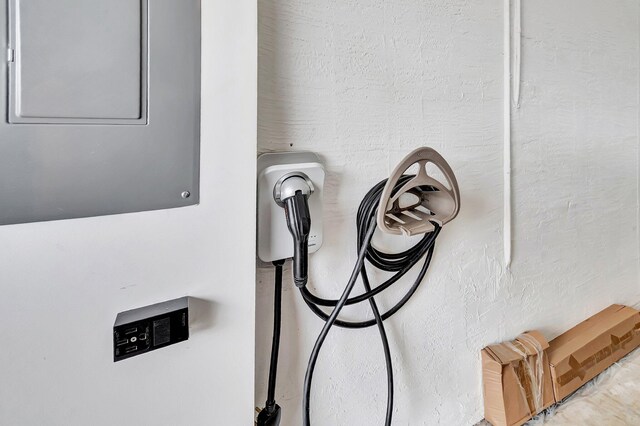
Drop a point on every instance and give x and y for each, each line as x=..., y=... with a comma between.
x=101, y=107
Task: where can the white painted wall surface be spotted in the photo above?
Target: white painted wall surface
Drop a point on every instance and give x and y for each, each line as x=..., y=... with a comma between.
x=362, y=82
x=64, y=282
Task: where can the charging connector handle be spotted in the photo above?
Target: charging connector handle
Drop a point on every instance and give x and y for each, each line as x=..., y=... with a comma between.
x=292, y=192
x=299, y=223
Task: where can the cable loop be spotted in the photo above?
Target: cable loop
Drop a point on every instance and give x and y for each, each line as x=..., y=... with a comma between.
x=400, y=263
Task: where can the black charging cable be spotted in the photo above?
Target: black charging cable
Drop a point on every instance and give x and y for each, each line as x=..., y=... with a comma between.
x=270, y=414
x=400, y=263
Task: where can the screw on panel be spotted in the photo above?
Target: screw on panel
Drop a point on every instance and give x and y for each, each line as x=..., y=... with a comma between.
x=186, y=194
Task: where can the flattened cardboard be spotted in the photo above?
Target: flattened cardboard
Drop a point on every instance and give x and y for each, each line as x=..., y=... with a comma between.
x=508, y=396
x=586, y=350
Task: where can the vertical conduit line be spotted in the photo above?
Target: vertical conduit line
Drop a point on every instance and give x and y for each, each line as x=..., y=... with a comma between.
x=517, y=51
x=638, y=168
x=507, y=135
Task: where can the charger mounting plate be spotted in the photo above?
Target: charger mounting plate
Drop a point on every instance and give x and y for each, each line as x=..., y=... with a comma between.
x=274, y=239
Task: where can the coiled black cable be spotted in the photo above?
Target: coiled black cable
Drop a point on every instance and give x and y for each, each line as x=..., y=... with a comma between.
x=400, y=263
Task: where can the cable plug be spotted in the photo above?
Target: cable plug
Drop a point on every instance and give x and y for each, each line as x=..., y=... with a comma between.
x=292, y=192
x=269, y=416
x=299, y=224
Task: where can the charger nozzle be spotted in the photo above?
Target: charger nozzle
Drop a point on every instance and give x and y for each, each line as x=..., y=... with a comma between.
x=299, y=223
x=292, y=193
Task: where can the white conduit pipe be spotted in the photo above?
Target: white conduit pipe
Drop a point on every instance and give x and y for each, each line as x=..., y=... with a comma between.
x=508, y=93
x=516, y=45
x=507, y=135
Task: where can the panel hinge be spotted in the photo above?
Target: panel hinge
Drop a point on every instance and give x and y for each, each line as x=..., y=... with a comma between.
x=11, y=55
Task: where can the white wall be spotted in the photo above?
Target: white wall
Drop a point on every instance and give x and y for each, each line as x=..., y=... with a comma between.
x=362, y=82
x=64, y=282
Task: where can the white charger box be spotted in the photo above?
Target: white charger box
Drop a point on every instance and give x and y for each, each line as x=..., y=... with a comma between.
x=274, y=240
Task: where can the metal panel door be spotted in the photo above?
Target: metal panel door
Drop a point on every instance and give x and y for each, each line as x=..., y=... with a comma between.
x=102, y=105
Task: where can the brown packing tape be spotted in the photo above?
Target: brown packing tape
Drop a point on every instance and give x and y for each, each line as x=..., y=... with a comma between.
x=506, y=355
x=527, y=385
x=530, y=371
x=516, y=380
x=580, y=368
x=502, y=354
x=516, y=406
x=583, y=334
x=586, y=350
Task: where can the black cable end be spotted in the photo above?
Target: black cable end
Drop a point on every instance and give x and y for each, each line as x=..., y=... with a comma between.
x=269, y=416
x=300, y=282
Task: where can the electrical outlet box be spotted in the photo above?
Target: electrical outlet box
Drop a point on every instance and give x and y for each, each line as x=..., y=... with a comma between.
x=152, y=327
x=274, y=240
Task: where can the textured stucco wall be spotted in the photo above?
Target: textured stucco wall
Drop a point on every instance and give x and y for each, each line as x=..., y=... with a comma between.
x=362, y=82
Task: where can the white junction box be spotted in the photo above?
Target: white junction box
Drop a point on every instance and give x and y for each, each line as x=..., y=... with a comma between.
x=274, y=240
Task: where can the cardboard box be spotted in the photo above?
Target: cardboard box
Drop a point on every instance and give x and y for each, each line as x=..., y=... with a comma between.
x=586, y=350
x=516, y=380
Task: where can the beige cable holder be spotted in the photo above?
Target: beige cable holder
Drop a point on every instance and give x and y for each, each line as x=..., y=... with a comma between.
x=421, y=200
